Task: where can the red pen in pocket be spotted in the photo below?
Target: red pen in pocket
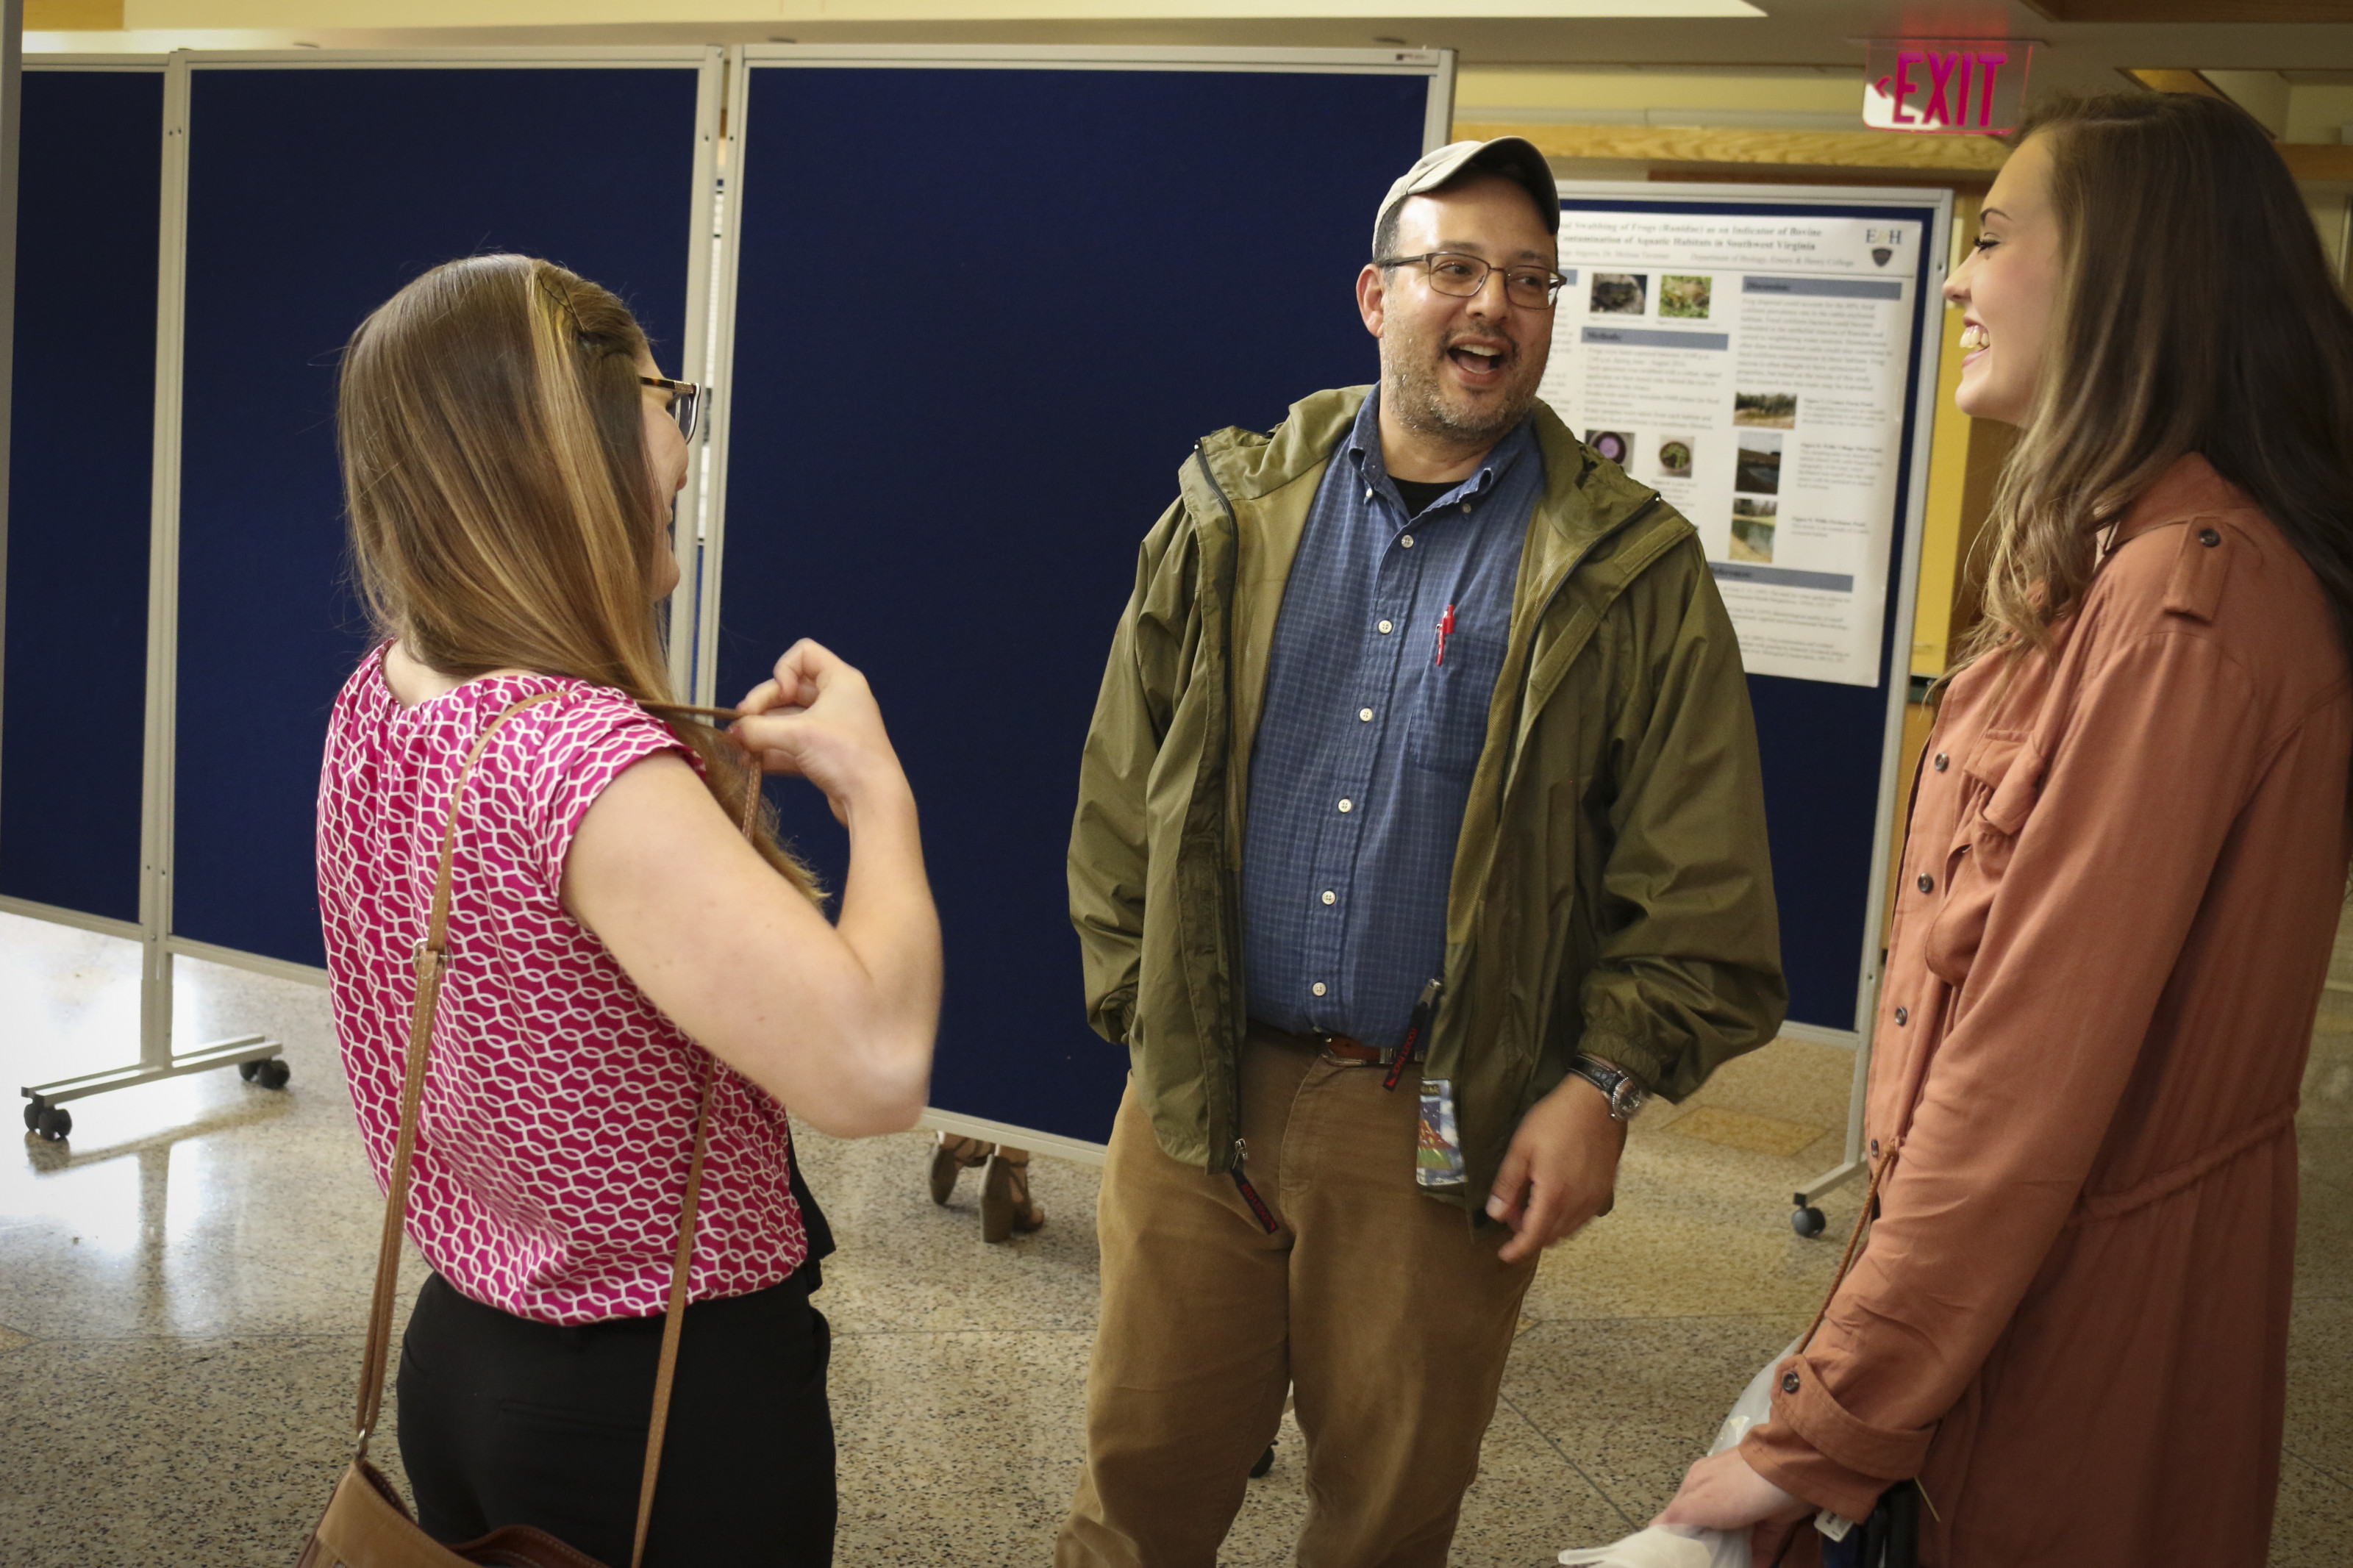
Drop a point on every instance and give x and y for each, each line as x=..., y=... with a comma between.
x=1445, y=630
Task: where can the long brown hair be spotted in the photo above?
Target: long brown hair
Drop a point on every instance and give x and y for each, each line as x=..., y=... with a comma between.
x=502, y=511
x=2196, y=315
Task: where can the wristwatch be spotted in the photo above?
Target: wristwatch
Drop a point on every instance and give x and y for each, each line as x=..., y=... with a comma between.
x=1626, y=1096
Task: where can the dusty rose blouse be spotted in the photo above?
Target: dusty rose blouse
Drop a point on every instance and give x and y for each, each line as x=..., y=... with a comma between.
x=2124, y=870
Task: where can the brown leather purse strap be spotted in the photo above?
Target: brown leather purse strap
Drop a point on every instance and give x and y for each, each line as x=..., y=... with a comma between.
x=682, y=1263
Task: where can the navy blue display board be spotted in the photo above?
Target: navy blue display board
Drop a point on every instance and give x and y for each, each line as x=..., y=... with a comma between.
x=1063, y=277
x=1823, y=744
x=82, y=445
x=314, y=195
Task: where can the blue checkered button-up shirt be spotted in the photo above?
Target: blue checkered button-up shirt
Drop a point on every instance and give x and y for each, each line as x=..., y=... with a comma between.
x=1367, y=740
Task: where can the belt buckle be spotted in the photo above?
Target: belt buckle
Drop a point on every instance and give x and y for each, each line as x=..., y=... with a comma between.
x=1364, y=1055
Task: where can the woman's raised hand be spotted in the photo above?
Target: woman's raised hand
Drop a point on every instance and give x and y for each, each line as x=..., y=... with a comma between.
x=816, y=717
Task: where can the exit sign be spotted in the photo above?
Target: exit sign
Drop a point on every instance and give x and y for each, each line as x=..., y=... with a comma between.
x=1944, y=87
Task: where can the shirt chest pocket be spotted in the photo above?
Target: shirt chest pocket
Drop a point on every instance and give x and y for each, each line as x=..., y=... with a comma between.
x=2001, y=779
x=1446, y=704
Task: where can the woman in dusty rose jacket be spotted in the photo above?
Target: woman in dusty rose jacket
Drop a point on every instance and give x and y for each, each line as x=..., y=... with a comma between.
x=2126, y=862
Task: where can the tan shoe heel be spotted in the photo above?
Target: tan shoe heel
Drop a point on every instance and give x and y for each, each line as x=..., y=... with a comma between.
x=951, y=1158
x=1005, y=1202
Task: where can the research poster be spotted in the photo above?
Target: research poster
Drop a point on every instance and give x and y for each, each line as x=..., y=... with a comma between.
x=1752, y=367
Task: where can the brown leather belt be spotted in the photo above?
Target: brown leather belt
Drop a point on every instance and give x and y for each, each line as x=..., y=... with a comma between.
x=1340, y=1046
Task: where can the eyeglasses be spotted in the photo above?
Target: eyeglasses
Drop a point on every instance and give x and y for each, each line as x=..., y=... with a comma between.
x=685, y=402
x=1463, y=276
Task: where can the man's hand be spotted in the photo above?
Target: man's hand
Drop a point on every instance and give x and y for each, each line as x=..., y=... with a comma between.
x=1723, y=1492
x=1561, y=1170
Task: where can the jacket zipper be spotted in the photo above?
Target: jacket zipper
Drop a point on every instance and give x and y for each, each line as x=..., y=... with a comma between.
x=1231, y=921
x=1250, y=1194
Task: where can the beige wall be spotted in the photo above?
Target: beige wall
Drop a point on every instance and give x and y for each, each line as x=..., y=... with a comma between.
x=1633, y=92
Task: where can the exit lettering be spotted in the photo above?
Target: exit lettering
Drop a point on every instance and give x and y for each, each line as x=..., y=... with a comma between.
x=1944, y=87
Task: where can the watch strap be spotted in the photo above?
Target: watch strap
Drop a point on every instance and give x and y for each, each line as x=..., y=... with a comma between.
x=1621, y=1088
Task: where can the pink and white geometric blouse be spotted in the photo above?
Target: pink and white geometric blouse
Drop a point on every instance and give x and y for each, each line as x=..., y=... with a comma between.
x=559, y=1108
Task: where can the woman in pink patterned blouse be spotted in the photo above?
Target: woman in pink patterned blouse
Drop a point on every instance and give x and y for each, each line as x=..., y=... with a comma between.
x=509, y=455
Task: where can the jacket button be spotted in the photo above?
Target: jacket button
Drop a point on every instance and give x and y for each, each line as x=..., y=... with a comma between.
x=2208, y=538
x=1406, y=540
x=1317, y=988
x=1790, y=1384
x=1927, y=884
x=1941, y=761
x=1903, y=1016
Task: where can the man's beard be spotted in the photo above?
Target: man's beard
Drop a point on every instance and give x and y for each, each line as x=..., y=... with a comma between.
x=1418, y=398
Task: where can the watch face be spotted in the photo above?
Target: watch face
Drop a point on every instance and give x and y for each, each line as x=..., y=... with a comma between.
x=1627, y=1098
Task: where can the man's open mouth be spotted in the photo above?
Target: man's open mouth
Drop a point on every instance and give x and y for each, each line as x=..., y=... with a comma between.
x=1478, y=358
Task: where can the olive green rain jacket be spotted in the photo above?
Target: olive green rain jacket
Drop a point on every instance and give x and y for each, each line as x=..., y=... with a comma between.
x=1612, y=889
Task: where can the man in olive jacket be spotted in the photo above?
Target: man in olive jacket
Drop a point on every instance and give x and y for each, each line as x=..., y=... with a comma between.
x=1419, y=836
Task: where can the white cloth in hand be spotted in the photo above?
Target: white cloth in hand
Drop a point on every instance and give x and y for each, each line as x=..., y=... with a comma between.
x=1661, y=1546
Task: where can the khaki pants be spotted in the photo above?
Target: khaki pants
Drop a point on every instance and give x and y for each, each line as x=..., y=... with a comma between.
x=1384, y=1312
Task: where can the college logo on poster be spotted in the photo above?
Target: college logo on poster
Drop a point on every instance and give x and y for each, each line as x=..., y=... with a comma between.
x=1882, y=242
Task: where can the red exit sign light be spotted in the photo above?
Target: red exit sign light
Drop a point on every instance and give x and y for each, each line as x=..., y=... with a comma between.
x=1946, y=87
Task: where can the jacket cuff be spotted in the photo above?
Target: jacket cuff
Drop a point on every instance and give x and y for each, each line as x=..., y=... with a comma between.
x=1790, y=1462
x=1815, y=1448
x=1114, y=1016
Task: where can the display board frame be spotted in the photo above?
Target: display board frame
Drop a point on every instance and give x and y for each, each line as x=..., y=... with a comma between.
x=1435, y=66
x=1904, y=568
x=31, y=909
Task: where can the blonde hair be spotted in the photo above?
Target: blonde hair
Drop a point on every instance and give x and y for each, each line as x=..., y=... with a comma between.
x=502, y=510
x=2195, y=313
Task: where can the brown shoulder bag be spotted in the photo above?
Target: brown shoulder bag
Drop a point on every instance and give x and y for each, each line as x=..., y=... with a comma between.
x=367, y=1525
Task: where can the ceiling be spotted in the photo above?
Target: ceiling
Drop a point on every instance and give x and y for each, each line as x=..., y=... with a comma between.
x=2083, y=54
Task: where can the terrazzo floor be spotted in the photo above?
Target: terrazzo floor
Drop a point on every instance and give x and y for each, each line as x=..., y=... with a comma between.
x=183, y=1288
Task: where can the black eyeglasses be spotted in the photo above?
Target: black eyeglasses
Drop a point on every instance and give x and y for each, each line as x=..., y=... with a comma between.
x=685, y=402
x=1463, y=276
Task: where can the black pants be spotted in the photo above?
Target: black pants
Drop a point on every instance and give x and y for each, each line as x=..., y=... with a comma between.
x=505, y=1421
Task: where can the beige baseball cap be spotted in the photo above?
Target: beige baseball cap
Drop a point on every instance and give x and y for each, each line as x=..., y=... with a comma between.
x=1513, y=157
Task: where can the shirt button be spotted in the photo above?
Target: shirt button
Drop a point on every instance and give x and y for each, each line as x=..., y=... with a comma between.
x=1874, y=1148
x=1406, y=540
x=1903, y=1016
x=1790, y=1384
x=1385, y=628
x=1330, y=897
x=1348, y=806
x=1927, y=884
x=2208, y=538
x=1317, y=988
x=1466, y=506
x=1366, y=714
x=1941, y=761
x=1368, y=492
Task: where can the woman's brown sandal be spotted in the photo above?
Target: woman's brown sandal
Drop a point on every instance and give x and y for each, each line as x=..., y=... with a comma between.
x=1004, y=1204
x=951, y=1158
